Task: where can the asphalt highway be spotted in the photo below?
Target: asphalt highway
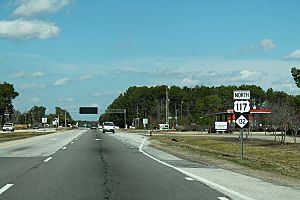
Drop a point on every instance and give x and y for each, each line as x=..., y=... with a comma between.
x=93, y=165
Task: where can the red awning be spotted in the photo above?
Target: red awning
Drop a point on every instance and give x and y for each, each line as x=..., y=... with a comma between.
x=260, y=111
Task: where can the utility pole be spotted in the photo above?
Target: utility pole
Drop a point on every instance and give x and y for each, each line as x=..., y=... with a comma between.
x=181, y=113
x=6, y=115
x=65, y=118
x=167, y=106
x=176, y=118
x=137, y=116
x=125, y=119
x=25, y=118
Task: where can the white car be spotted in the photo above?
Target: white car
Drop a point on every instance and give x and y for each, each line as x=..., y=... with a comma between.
x=108, y=127
x=8, y=127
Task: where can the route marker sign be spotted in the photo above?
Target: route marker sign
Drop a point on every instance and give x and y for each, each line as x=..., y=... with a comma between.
x=241, y=95
x=241, y=106
x=242, y=121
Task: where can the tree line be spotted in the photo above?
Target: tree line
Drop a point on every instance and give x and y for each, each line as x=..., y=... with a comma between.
x=32, y=116
x=188, y=106
x=36, y=113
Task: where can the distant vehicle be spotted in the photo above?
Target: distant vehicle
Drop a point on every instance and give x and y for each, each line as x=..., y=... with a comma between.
x=8, y=127
x=36, y=126
x=108, y=127
x=163, y=126
x=94, y=127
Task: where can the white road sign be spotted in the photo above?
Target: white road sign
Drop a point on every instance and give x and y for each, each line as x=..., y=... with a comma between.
x=241, y=106
x=242, y=121
x=44, y=120
x=241, y=94
x=221, y=125
x=145, y=121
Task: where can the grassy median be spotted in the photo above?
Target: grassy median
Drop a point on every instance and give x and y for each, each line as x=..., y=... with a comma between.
x=260, y=155
x=9, y=136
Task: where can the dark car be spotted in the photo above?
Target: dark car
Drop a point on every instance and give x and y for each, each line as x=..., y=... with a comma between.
x=36, y=126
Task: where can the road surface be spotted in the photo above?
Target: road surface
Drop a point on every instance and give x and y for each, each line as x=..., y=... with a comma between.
x=90, y=165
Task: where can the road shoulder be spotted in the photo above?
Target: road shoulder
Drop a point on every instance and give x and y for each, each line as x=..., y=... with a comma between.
x=234, y=180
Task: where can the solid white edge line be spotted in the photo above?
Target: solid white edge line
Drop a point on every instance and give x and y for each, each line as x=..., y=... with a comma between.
x=6, y=187
x=198, y=178
x=48, y=159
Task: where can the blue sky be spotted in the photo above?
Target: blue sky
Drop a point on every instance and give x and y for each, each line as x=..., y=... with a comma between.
x=73, y=53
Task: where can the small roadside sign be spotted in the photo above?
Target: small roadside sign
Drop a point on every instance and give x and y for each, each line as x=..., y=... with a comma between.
x=241, y=94
x=242, y=121
x=145, y=121
x=44, y=120
x=241, y=106
x=221, y=126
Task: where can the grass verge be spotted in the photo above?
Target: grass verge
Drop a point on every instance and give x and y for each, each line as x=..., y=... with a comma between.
x=20, y=135
x=264, y=159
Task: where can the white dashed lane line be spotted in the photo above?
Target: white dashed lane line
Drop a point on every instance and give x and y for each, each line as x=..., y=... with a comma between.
x=189, y=178
x=223, y=198
x=6, y=187
x=48, y=159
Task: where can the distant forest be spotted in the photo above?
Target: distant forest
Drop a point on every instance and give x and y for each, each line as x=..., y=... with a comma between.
x=189, y=106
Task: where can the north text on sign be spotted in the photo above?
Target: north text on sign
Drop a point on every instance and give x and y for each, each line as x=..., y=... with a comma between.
x=241, y=94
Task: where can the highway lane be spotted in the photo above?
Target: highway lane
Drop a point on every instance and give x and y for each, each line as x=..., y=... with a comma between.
x=43, y=145
x=97, y=166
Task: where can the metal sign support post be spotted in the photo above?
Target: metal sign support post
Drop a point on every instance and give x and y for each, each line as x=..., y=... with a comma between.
x=242, y=143
x=241, y=105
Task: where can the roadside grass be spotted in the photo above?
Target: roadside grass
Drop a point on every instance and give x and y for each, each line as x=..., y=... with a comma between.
x=19, y=135
x=261, y=155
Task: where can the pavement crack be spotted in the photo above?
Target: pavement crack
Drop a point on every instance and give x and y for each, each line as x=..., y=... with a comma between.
x=108, y=189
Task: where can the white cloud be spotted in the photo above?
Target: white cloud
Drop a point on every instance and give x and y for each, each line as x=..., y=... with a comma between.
x=294, y=55
x=62, y=82
x=35, y=99
x=286, y=85
x=20, y=74
x=189, y=82
x=246, y=76
x=28, y=29
x=27, y=86
x=264, y=45
x=23, y=74
x=86, y=77
x=107, y=93
x=38, y=74
x=28, y=8
x=66, y=99
x=267, y=44
x=94, y=105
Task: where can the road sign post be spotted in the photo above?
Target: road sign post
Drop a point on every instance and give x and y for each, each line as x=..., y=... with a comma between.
x=242, y=107
x=242, y=143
